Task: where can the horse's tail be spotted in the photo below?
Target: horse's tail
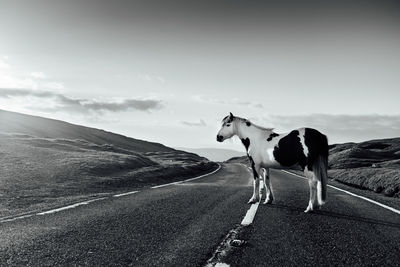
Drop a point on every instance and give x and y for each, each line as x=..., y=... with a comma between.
x=320, y=168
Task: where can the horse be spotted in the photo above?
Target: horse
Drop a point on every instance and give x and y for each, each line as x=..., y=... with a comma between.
x=304, y=147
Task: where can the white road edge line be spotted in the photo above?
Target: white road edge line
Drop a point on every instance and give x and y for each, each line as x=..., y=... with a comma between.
x=125, y=194
x=17, y=218
x=188, y=180
x=102, y=198
x=70, y=206
x=162, y=185
x=354, y=195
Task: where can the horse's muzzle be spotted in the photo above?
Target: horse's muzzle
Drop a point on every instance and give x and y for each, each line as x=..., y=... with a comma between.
x=220, y=138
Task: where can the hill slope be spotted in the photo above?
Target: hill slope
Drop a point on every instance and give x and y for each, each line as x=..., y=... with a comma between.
x=12, y=122
x=214, y=154
x=46, y=163
x=373, y=165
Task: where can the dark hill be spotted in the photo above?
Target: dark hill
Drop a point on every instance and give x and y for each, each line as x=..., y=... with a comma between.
x=365, y=154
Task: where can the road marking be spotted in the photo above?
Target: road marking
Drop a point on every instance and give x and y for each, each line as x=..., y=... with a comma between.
x=248, y=219
x=70, y=206
x=98, y=199
x=125, y=194
x=353, y=194
x=217, y=259
x=17, y=218
x=188, y=180
x=163, y=185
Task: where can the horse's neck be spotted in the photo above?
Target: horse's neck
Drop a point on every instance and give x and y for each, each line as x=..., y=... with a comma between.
x=251, y=132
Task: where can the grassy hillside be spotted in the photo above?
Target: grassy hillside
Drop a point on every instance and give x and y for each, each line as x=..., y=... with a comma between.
x=372, y=165
x=48, y=163
x=12, y=122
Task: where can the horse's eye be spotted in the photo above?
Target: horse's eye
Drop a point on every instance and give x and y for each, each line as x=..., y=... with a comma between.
x=228, y=125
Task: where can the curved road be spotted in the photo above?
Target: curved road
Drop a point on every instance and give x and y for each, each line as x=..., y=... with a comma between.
x=183, y=224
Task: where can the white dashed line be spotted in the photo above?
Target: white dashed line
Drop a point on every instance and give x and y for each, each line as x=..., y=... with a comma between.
x=251, y=213
x=125, y=194
x=354, y=195
x=188, y=180
x=248, y=219
x=70, y=206
x=217, y=259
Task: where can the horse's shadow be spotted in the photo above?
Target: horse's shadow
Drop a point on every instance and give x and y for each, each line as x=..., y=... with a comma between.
x=336, y=215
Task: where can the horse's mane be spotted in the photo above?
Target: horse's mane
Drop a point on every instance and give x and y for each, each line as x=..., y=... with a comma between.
x=255, y=125
x=262, y=128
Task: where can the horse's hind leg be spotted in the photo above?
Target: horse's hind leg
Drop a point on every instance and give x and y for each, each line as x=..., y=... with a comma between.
x=268, y=187
x=312, y=182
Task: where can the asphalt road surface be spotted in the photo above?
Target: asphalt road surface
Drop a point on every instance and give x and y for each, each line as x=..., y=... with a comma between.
x=183, y=224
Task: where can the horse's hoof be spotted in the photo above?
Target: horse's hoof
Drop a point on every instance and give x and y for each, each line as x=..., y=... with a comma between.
x=308, y=210
x=252, y=201
x=268, y=201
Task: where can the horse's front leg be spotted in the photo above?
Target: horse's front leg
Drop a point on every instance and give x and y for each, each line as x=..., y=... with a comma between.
x=256, y=182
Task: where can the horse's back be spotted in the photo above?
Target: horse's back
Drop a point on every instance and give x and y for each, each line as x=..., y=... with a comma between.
x=299, y=147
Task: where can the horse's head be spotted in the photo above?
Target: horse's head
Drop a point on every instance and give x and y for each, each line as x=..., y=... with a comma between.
x=227, y=129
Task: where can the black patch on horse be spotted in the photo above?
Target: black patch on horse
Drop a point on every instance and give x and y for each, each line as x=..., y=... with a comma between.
x=317, y=144
x=246, y=143
x=248, y=123
x=230, y=119
x=289, y=150
x=253, y=166
x=272, y=135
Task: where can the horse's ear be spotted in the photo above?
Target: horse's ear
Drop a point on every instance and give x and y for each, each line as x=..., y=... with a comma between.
x=230, y=116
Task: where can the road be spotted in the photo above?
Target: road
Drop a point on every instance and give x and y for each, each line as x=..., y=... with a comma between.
x=183, y=224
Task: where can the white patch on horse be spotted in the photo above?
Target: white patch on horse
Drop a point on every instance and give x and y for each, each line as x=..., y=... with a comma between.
x=270, y=152
x=302, y=133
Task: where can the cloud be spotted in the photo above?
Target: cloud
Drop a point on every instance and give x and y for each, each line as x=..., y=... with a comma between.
x=38, y=75
x=9, y=78
x=3, y=63
x=53, y=85
x=339, y=128
x=201, y=123
x=62, y=102
x=142, y=105
x=232, y=101
x=151, y=78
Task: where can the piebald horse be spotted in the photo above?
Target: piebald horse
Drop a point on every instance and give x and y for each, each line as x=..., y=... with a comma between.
x=304, y=147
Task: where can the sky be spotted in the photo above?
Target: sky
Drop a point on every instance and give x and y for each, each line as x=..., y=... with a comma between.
x=169, y=71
